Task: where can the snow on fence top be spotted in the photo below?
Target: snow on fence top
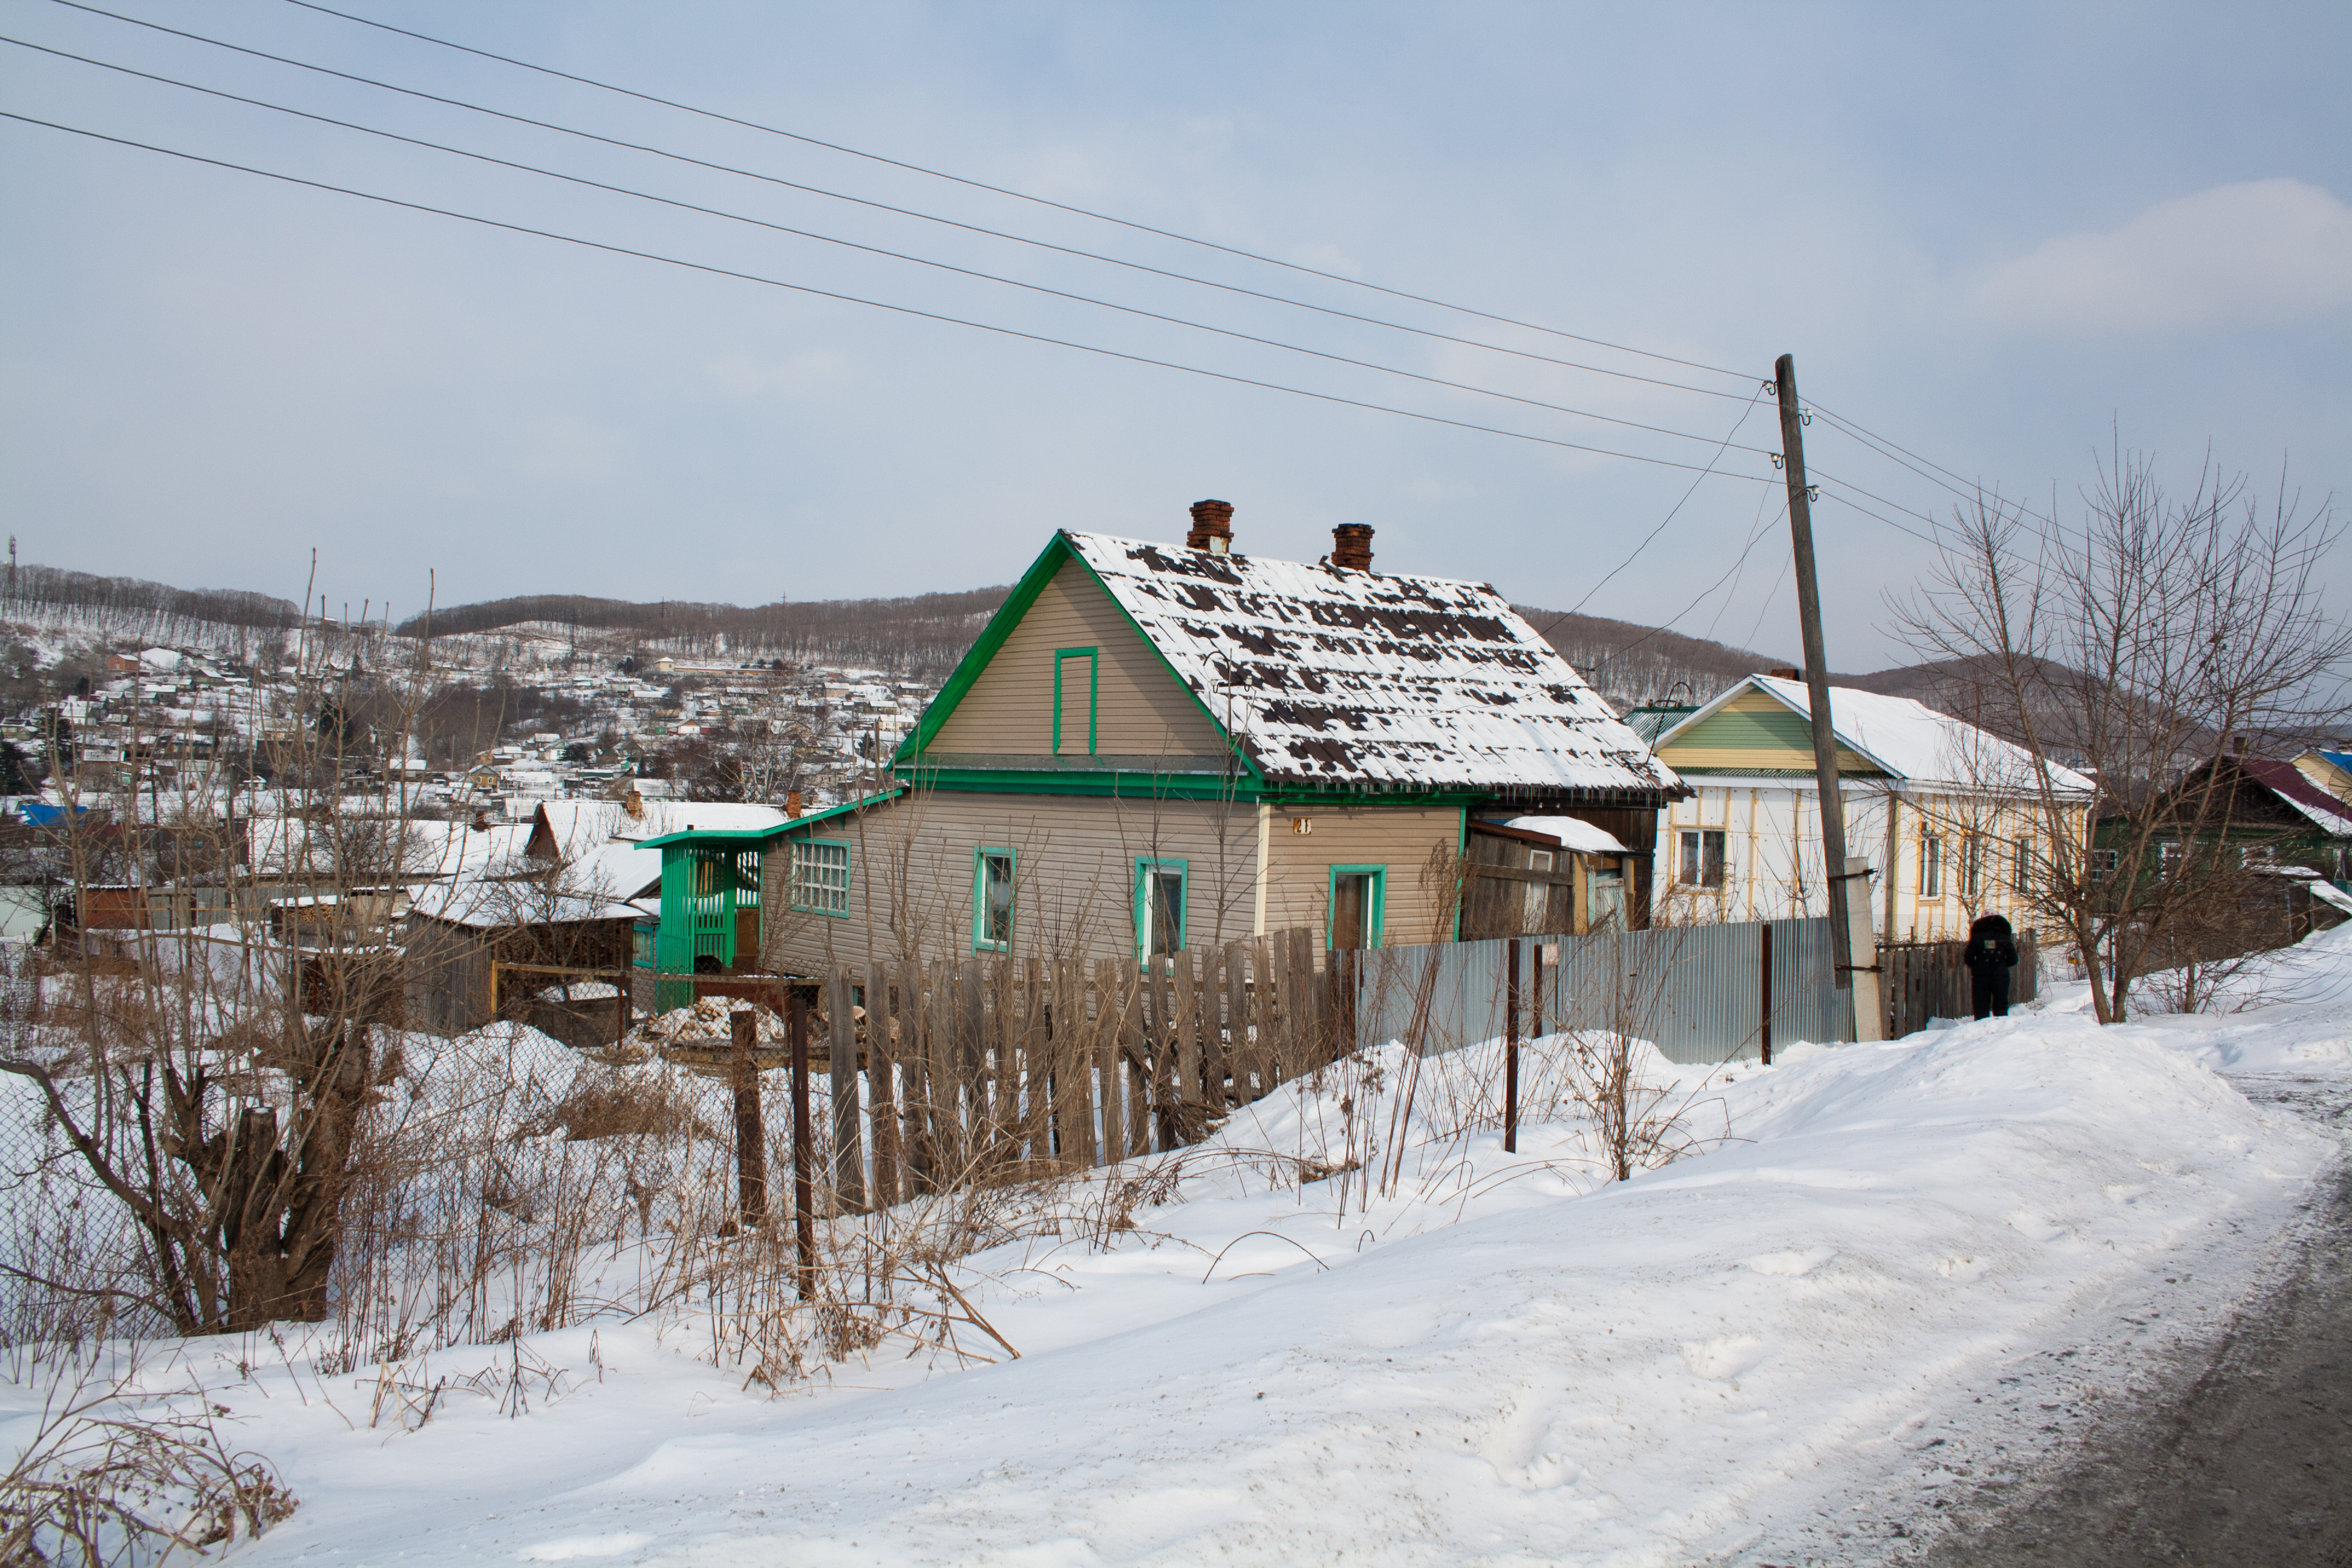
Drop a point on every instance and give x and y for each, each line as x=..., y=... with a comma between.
x=1325, y=675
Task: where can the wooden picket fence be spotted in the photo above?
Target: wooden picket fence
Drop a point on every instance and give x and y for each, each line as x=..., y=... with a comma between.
x=993, y=1068
x=1924, y=980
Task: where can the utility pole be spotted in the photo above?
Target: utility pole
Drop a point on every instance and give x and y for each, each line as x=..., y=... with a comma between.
x=1836, y=872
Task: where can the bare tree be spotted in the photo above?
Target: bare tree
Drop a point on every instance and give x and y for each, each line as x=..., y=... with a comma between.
x=2130, y=649
x=211, y=1079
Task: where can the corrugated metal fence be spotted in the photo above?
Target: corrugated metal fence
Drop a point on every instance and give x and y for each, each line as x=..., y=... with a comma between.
x=1696, y=992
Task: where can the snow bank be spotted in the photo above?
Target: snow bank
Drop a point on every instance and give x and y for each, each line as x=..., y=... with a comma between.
x=2288, y=1011
x=1505, y=1359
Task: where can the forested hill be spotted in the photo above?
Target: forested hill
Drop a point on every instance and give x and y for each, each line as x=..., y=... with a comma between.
x=1630, y=663
x=922, y=634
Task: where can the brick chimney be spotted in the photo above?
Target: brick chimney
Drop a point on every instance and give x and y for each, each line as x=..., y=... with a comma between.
x=791, y=803
x=1351, y=546
x=1785, y=673
x=1212, y=527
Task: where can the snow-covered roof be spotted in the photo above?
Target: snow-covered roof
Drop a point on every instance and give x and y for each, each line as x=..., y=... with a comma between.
x=2285, y=781
x=1329, y=676
x=366, y=848
x=1573, y=833
x=1910, y=740
x=484, y=903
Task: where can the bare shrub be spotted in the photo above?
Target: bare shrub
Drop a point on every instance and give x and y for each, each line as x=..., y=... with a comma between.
x=114, y=1476
x=618, y=1106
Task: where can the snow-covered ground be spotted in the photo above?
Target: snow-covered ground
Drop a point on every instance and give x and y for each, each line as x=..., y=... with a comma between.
x=1885, y=1271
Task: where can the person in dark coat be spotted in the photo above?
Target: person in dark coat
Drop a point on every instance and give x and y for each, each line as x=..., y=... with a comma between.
x=1992, y=954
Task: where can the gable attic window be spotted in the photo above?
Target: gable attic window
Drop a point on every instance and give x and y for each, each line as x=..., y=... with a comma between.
x=821, y=876
x=1077, y=684
x=1701, y=859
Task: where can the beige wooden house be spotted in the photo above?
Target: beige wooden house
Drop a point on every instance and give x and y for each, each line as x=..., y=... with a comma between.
x=1942, y=810
x=1150, y=749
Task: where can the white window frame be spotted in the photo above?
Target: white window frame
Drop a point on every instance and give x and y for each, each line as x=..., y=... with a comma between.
x=820, y=881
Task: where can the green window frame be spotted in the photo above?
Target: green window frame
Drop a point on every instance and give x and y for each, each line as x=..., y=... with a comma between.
x=1376, y=913
x=992, y=935
x=1062, y=658
x=819, y=876
x=1151, y=872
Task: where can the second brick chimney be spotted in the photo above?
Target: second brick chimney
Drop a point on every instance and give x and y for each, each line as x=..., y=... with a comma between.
x=1351, y=546
x=1212, y=527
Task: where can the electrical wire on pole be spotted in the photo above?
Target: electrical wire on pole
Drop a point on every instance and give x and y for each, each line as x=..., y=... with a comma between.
x=811, y=289
x=917, y=213
x=881, y=251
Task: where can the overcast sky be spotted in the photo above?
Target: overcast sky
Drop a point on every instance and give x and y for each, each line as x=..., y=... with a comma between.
x=1997, y=235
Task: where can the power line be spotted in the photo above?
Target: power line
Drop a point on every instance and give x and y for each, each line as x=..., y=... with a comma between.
x=1671, y=512
x=878, y=206
x=869, y=249
x=1000, y=190
x=1740, y=567
x=1766, y=608
x=1965, y=489
x=874, y=304
x=1736, y=568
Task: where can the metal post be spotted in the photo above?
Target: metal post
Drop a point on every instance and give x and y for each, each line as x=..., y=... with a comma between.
x=1764, y=1009
x=804, y=1150
x=1511, y=1052
x=750, y=1149
x=1817, y=668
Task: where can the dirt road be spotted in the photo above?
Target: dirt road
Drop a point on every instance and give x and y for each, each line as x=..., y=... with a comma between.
x=2243, y=1459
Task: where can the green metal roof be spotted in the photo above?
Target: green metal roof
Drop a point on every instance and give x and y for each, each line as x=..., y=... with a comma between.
x=761, y=835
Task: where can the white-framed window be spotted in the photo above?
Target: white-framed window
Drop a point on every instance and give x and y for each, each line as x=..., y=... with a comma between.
x=1973, y=866
x=2257, y=857
x=2106, y=862
x=1158, y=905
x=991, y=899
x=2022, y=870
x=821, y=876
x=1931, y=866
x=1700, y=862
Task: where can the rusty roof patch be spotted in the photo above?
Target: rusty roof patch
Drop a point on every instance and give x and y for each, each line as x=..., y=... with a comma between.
x=1373, y=680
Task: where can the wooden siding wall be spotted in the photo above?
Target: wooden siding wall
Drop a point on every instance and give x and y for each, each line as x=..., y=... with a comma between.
x=1496, y=906
x=1142, y=712
x=1772, y=844
x=911, y=868
x=1402, y=839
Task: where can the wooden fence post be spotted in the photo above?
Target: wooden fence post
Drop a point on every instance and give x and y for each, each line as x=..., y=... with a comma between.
x=1233, y=1062
x=1511, y=1050
x=848, y=1148
x=750, y=1147
x=882, y=1083
x=804, y=1148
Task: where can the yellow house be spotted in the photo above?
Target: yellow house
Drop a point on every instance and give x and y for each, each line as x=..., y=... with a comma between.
x=1945, y=813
